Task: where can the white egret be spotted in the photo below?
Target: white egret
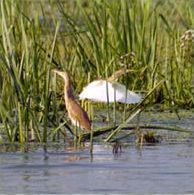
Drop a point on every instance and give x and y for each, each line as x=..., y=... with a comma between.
x=110, y=91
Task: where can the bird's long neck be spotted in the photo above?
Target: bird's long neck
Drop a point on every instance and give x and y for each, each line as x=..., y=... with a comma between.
x=68, y=91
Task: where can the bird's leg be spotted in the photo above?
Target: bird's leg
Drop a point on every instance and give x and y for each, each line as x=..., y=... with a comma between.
x=88, y=108
x=83, y=104
x=91, y=111
x=91, y=141
x=75, y=135
x=139, y=134
x=79, y=136
x=114, y=107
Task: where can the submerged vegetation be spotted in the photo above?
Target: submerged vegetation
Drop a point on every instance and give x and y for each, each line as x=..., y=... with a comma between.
x=90, y=39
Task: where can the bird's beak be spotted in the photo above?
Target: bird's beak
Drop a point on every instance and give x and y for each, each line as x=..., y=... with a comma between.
x=60, y=73
x=55, y=71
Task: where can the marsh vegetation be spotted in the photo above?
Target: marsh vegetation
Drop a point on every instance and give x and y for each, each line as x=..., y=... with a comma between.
x=90, y=39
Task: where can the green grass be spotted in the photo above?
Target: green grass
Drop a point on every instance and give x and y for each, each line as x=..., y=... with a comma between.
x=90, y=39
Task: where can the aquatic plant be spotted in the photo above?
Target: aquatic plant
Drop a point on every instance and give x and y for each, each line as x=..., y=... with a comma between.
x=92, y=39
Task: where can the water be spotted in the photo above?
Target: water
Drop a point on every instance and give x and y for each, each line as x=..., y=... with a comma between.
x=161, y=168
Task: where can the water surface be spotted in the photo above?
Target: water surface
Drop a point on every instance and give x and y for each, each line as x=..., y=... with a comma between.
x=161, y=168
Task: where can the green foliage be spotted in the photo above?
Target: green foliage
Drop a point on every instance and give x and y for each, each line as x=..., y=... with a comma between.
x=91, y=39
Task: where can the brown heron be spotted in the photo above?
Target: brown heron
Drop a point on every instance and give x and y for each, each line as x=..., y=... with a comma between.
x=76, y=113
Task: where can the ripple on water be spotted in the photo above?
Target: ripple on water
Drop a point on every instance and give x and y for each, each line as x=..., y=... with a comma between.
x=163, y=168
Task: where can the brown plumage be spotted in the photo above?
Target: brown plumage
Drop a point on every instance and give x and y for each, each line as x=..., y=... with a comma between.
x=118, y=74
x=76, y=113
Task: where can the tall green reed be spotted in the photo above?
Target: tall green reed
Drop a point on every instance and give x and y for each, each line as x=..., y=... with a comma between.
x=25, y=95
x=89, y=38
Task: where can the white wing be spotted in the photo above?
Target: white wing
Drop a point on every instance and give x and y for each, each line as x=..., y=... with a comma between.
x=99, y=91
x=104, y=91
x=128, y=97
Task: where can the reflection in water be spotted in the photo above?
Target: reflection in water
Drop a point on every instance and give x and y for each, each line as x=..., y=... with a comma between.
x=153, y=169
